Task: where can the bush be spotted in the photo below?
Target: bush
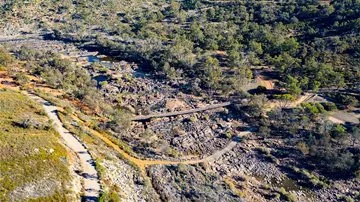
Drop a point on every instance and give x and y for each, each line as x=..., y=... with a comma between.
x=21, y=78
x=287, y=196
x=338, y=131
x=68, y=110
x=5, y=57
x=313, y=108
x=311, y=178
x=25, y=53
x=357, y=174
x=103, y=83
x=110, y=196
x=329, y=106
x=320, y=108
x=347, y=100
x=27, y=122
x=264, y=150
x=99, y=167
x=302, y=146
x=228, y=134
x=120, y=120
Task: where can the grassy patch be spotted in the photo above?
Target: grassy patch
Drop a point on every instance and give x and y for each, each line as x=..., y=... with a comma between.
x=27, y=154
x=312, y=179
x=233, y=188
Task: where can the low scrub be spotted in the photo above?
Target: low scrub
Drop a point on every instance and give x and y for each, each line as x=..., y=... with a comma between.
x=27, y=146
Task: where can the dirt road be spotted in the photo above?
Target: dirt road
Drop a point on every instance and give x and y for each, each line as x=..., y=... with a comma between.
x=89, y=174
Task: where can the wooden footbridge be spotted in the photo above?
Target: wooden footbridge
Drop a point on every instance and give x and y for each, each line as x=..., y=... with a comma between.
x=190, y=111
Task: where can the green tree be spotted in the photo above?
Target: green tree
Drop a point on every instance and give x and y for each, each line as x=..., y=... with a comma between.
x=241, y=78
x=290, y=45
x=213, y=73
x=293, y=86
x=256, y=47
x=338, y=131
x=190, y=4
x=196, y=34
x=234, y=57
x=286, y=98
x=285, y=63
x=170, y=71
x=175, y=8
x=182, y=49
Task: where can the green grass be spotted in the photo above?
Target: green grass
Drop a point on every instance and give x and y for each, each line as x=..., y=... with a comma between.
x=28, y=155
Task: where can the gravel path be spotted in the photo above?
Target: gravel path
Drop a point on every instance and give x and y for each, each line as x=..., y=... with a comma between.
x=89, y=174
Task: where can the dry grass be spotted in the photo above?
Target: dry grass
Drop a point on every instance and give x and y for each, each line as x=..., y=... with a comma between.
x=28, y=154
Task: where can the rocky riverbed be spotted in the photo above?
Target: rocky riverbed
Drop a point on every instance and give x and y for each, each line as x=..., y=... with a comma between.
x=248, y=171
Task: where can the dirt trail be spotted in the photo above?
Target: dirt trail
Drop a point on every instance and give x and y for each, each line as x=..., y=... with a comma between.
x=89, y=174
x=143, y=163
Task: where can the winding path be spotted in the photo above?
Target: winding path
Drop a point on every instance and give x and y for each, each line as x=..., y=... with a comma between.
x=89, y=174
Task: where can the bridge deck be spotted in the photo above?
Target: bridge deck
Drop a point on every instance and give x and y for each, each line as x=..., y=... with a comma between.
x=190, y=111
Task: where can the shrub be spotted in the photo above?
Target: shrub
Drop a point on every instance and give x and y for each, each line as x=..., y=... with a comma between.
x=329, y=106
x=26, y=53
x=315, y=181
x=68, y=110
x=346, y=199
x=338, y=131
x=287, y=196
x=302, y=146
x=228, y=134
x=120, y=121
x=103, y=83
x=310, y=108
x=357, y=174
x=320, y=108
x=264, y=150
x=172, y=152
x=27, y=122
x=5, y=57
x=193, y=119
x=21, y=78
x=110, y=196
x=99, y=167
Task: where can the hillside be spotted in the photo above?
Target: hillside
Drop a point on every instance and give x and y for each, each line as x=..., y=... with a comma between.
x=33, y=163
x=187, y=100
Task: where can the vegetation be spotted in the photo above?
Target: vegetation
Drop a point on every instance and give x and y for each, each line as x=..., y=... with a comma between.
x=26, y=146
x=325, y=145
x=5, y=59
x=111, y=196
x=215, y=48
x=311, y=44
x=287, y=196
x=75, y=81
